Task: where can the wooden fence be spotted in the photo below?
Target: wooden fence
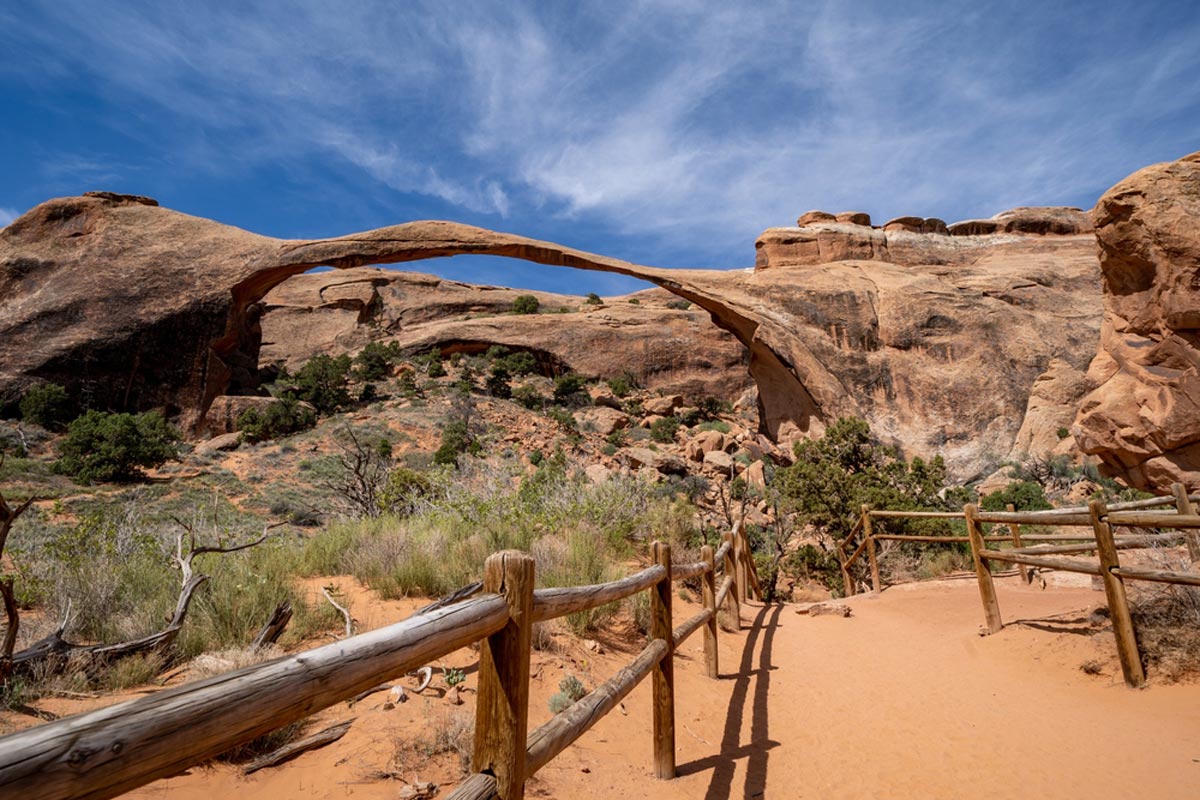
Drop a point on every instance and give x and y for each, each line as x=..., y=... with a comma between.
x=1047, y=549
x=107, y=752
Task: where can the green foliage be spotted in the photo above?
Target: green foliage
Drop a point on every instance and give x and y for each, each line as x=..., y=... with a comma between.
x=48, y=405
x=435, y=369
x=407, y=385
x=679, y=305
x=1024, y=495
x=456, y=440
x=281, y=418
x=452, y=677
x=714, y=425
x=570, y=691
x=374, y=362
x=521, y=362
x=593, y=299
x=525, y=304
x=499, y=382
x=322, y=382
x=833, y=476
x=1063, y=433
x=536, y=457
x=404, y=490
x=663, y=429
x=624, y=384
x=617, y=438
x=369, y=393
x=102, y=446
x=564, y=419
x=569, y=390
x=633, y=301
x=812, y=563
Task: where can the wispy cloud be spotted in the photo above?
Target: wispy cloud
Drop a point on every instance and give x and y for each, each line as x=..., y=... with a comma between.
x=7, y=215
x=689, y=124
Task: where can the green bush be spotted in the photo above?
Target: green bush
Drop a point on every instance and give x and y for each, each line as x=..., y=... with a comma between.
x=456, y=440
x=663, y=429
x=633, y=301
x=1063, y=433
x=404, y=490
x=564, y=419
x=525, y=304
x=1024, y=495
x=624, y=384
x=570, y=691
x=593, y=299
x=374, y=362
x=679, y=305
x=281, y=418
x=436, y=369
x=529, y=397
x=499, y=382
x=569, y=390
x=102, y=446
x=521, y=362
x=48, y=405
x=322, y=382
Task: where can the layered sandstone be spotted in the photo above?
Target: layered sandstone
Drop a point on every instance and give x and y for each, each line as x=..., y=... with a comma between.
x=1143, y=418
x=138, y=306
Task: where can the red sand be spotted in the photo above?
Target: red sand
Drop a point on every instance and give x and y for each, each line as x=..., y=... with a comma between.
x=904, y=699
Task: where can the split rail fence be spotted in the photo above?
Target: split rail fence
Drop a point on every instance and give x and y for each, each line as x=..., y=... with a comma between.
x=1045, y=551
x=107, y=752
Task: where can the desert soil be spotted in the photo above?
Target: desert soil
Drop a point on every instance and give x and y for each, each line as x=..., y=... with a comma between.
x=902, y=699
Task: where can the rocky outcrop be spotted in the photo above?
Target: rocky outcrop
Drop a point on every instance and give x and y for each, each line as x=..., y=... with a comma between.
x=1143, y=417
x=139, y=306
x=667, y=348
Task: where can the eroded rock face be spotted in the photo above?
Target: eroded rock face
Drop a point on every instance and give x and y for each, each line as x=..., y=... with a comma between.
x=934, y=339
x=1143, y=418
x=667, y=349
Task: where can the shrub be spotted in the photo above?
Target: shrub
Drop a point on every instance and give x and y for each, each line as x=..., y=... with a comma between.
x=48, y=405
x=456, y=440
x=564, y=419
x=679, y=305
x=569, y=390
x=404, y=490
x=623, y=384
x=529, y=397
x=322, y=382
x=570, y=691
x=633, y=301
x=663, y=429
x=1024, y=495
x=436, y=369
x=407, y=385
x=369, y=393
x=525, y=304
x=593, y=299
x=281, y=418
x=499, y=382
x=102, y=446
x=536, y=457
x=374, y=362
x=520, y=363
x=1063, y=433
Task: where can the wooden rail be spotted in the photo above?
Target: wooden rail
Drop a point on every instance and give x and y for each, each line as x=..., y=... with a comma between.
x=1182, y=523
x=104, y=753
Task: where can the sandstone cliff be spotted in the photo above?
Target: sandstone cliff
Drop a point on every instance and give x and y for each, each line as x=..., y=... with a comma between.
x=1143, y=418
x=938, y=347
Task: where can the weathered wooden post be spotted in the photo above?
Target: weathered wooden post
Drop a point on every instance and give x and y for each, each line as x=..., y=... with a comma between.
x=1184, y=506
x=847, y=581
x=1015, y=529
x=739, y=560
x=1118, y=603
x=502, y=710
x=709, y=594
x=987, y=589
x=869, y=532
x=663, y=678
x=732, y=605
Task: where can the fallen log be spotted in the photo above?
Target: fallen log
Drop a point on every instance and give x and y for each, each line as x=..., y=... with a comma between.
x=293, y=749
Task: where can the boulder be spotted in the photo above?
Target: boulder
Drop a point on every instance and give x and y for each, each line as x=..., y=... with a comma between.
x=703, y=443
x=663, y=406
x=226, y=441
x=223, y=413
x=809, y=217
x=854, y=218
x=1143, y=417
x=718, y=460
x=602, y=419
x=756, y=475
x=596, y=473
x=664, y=463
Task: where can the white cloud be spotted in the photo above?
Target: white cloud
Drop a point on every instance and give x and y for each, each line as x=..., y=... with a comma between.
x=7, y=215
x=695, y=124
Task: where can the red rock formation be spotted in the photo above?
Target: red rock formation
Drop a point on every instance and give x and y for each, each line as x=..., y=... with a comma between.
x=1143, y=418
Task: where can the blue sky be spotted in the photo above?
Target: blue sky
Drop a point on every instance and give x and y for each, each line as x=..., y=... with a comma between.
x=663, y=131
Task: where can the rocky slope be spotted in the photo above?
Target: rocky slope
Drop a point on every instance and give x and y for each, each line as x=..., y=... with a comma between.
x=938, y=346
x=1143, y=417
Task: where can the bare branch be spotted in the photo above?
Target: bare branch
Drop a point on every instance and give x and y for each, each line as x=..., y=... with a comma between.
x=345, y=613
x=14, y=624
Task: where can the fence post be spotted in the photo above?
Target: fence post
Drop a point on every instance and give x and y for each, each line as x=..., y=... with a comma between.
x=869, y=532
x=1184, y=506
x=732, y=605
x=709, y=593
x=739, y=560
x=664, y=671
x=847, y=581
x=502, y=710
x=1015, y=529
x=987, y=589
x=1118, y=603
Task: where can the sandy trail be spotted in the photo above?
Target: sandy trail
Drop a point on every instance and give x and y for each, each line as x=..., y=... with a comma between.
x=904, y=699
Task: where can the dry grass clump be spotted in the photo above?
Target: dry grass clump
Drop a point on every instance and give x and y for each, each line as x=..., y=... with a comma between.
x=218, y=662
x=451, y=732
x=1167, y=622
